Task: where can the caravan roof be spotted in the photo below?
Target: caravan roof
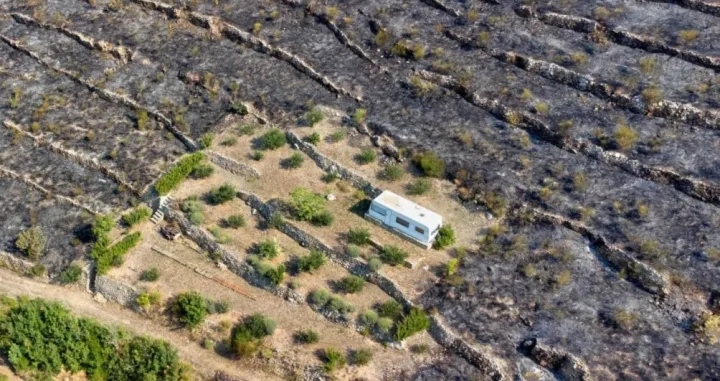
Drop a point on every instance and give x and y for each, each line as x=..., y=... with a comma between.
x=409, y=209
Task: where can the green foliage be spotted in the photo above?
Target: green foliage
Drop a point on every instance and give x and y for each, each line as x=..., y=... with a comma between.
x=320, y=297
x=353, y=250
x=37, y=270
x=105, y=257
x=366, y=156
x=375, y=263
x=150, y=275
x=219, y=235
x=314, y=117
x=445, y=237
x=384, y=324
x=306, y=204
x=430, y=164
x=360, y=115
x=246, y=337
x=369, y=317
x=392, y=172
x=391, y=309
x=334, y=359
x=451, y=267
x=142, y=119
x=137, y=215
x=269, y=248
x=273, y=139
x=416, y=321
x=337, y=304
x=193, y=209
x=189, y=308
x=31, y=242
x=419, y=187
x=206, y=140
x=217, y=306
x=359, y=236
x=330, y=177
x=257, y=155
x=361, y=356
x=229, y=141
x=351, y=284
x=202, y=171
x=393, y=255
x=312, y=261
x=71, y=274
x=295, y=160
x=36, y=335
x=147, y=299
x=275, y=221
x=102, y=225
x=274, y=274
x=247, y=129
x=222, y=194
x=307, y=337
x=178, y=173
x=235, y=221
x=239, y=108
x=336, y=136
x=313, y=138
x=625, y=137
x=323, y=218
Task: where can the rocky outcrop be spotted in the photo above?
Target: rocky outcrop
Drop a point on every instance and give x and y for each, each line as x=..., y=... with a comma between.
x=105, y=94
x=14, y=262
x=706, y=192
x=620, y=37
x=116, y=291
x=329, y=165
x=233, y=166
x=565, y=364
x=119, y=52
x=695, y=5
x=220, y=28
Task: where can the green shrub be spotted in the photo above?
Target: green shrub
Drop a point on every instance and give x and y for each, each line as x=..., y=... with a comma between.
x=445, y=237
x=313, y=138
x=360, y=115
x=206, y=140
x=375, y=263
x=229, y=141
x=330, y=177
x=320, y=297
x=37, y=270
x=336, y=136
x=269, y=248
x=337, y=304
x=245, y=337
x=189, y=308
x=361, y=356
x=193, y=209
x=219, y=235
x=419, y=187
x=222, y=194
x=334, y=359
x=137, y=215
x=392, y=172
x=419, y=348
x=359, y=236
x=31, y=242
x=384, y=324
x=214, y=307
x=366, y=156
x=312, y=261
x=393, y=255
x=306, y=204
x=295, y=160
x=275, y=221
x=202, y=171
x=247, y=129
x=80, y=344
x=391, y=309
x=625, y=137
x=257, y=155
x=323, y=218
x=274, y=274
x=235, y=221
x=71, y=274
x=416, y=321
x=430, y=164
x=307, y=337
x=451, y=267
x=150, y=275
x=208, y=343
x=106, y=257
x=351, y=284
x=314, y=117
x=147, y=299
x=369, y=317
x=353, y=250
x=239, y=108
x=178, y=173
x=273, y=139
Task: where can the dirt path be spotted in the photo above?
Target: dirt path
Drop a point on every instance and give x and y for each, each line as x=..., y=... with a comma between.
x=204, y=362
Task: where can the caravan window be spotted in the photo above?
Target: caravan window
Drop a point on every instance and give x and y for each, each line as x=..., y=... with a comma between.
x=378, y=210
x=402, y=222
x=420, y=230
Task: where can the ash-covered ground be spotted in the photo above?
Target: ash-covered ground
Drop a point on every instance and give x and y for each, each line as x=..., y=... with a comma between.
x=634, y=157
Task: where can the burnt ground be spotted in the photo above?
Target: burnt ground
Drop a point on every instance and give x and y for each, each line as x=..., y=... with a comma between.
x=192, y=76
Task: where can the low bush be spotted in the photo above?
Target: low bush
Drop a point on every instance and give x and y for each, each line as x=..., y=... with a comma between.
x=105, y=257
x=336, y=136
x=193, y=209
x=178, y=173
x=313, y=138
x=222, y=194
x=71, y=274
x=269, y=248
x=275, y=221
x=360, y=115
x=247, y=129
x=337, y=304
x=430, y=164
x=393, y=255
x=361, y=356
x=359, y=236
x=369, y=318
x=416, y=321
x=625, y=137
x=257, y=155
x=353, y=250
x=351, y=284
x=314, y=117
x=295, y=160
x=147, y=299
x=245, y=338
x=334, y=359
x=150, y=275
x=229, y=141
x=239, y=108
x=306, y=337
x=323, y=218
x=202, y=171
x=219, y=235
x=206, y=141
x=215, y=307
x=366, y=156
x=274, y=274
x=235, y=221
x=190, y=309
x=273, y=139
x=312, y=261
x=330, y=177
x=306, y=204
x=392, y=172
x=31, y=242
x=375, y=263
x=419, y=187
x=445, y=237
x=391, y=309
x=320, y=297
x=137, y=215
x=384, y=324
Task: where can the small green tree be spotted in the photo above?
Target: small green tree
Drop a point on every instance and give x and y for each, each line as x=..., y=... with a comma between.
x=189, y=307
x=202, y=171
x=351, y=284
x=334, y=359
x=306, y=204
x=314, y=117
x=295, y=160
x=416, y=321
x=312, y=261
x=235, y=221
x=269, y=248
x=222, y=194
x=137, y=215
x=31, y=242
x=445, y=237
x=430, y=164
x=313, y=138
x=323, y=218
x=359, y=236
x=71, y=274
x=273, y=139
x=393, y=255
